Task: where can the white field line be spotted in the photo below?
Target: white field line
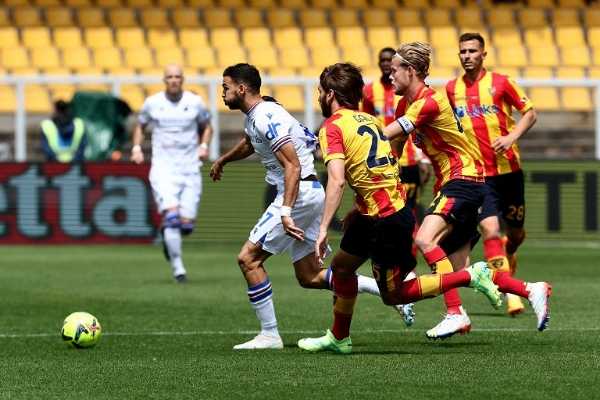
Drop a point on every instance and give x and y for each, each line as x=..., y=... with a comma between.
x=300, y=332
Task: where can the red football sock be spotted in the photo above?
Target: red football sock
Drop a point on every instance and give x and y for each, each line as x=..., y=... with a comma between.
x=345, y=292
x=439, y=262
x=508, y=284
x=426, y=286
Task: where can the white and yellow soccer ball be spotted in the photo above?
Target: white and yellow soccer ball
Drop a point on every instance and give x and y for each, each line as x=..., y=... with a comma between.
x=81, y=329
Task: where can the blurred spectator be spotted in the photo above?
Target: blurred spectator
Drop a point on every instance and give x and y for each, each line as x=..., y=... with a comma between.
x=63, y=137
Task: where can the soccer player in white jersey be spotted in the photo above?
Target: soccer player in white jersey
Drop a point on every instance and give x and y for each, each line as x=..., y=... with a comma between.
x=181, y=133
x=291, y=222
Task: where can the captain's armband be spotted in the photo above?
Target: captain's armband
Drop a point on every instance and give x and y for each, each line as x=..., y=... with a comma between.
x=406, y=125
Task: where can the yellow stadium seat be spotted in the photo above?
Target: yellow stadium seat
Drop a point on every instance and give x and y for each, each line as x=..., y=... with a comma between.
x=161, y=38
x=329, y=4
x=91, y=17
x=8, y=37
x=37, y=99
x=56, y=71
x=291, y=97
x=121, y=71
x=8, y=99
x=591, y=17
x=122, y=17
x=59, y=16
x=190, y=38
x=318, y=37
x=93, y=87
x=375, y=18
x=312, y=18
x=248, y=18
x=538, y=72
x=539, y=36
x=344, y=18
x=109, y=57
x=133, y=95
x=217, y=18
x=491, y=60
x=65, y=38
x=256, y=38
x=447, y=4
x=416, y=3
x=532, y=18
x=98, y=38
x=203, y=4
x=360, y=56
x=594, y=72
x=437, y=17
x=139, y=3
x=280, y=18
x=570, y=72
x=512, y=56
x=165, y=56
x=443, y=73
x=311, y=71
x=545, y=98
x=230, y=55
x=284, y=37
x=593, y=34
x=76, y=58
x=409, y=18
x=501, y=18
x=294, y=57
x=200, y=57
x=185, y=18
x=263, y=57
x=506, y=37
x=36, y=37
x=232, y=3
x=446, y=57
x=78, y=3
x=280, y=71
x=138, y=58
x=224, y=37
x=565, y=17
x=385, y=4
x=61, y=92
x=22, y=71
x=293, y=4
x=576, y=99
x=130, y=38
x=154, y=18
x=380, y=37
x=322, y=56
x=262, y=4
x=544, y=56
x=576, y=56
x=567, y=36
x=596, y=56
x=175, y=4
x=469, y=17
x=27, y=16
x=109, y=3
x=15, y=57
x=357, y=4
x=541, y=3
x=4, y=18
x=17, y=3
x=442, y=36
x=571, y=3
x=412, y=34
x=351, y=37
x=45, y=57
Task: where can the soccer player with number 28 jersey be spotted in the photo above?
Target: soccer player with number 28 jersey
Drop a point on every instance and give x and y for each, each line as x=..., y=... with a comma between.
x=450, y=225
x=355, y=150
x=484, y=101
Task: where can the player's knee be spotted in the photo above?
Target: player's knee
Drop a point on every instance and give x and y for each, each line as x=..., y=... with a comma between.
x=309, y=282
x=187, y=227
x=424, y=243
x=246, y=262
x=172, y=220
x=490, y=231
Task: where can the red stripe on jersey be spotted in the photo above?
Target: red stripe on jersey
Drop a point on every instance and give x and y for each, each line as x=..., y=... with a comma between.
x=451, y=92
x=512, y=95
x=500, y=82
x=481, y=129
x=388, y=104
x=368, y=101
x=384, y=204
x=401, y=107
x=409, y=149
x=335, y=137
x=429, y=111
x=456, y=164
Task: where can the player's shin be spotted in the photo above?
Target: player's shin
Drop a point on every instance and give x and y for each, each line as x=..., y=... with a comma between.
x=172, y=238
x=344, y=297
x=261, y=300
x=439, y=263
x=495, y=255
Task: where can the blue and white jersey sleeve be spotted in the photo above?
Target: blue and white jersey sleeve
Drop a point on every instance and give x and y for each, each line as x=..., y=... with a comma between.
x=144, y=116
x=203, y=116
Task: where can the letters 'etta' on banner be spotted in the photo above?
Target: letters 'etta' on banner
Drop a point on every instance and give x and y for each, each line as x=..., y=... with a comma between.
x=76, y=203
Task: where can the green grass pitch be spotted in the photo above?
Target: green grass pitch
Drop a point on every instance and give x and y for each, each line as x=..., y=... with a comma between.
x=169, y=341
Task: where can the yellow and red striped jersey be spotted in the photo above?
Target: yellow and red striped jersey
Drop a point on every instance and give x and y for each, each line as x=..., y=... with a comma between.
x=357, y=138
x=485, y=111
x=380, y=101
x=438, y=133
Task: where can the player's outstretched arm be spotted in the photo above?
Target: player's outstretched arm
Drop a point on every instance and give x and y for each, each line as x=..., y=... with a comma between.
x=291, y=169
x=137, y=155
x=241, y=150
x=399, y=130
x=336, y=181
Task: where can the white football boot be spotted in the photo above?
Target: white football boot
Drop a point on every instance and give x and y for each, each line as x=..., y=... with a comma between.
x=539, y=293
x=451, y=325
x=260, y=342
x=407, y=313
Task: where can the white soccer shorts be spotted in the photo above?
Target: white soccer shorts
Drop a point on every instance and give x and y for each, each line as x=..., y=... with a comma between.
x=306, y=213
x=181, y=190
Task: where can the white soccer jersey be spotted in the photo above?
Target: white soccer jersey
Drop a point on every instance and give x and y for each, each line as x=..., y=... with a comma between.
x=174, y=130
x=269, y=127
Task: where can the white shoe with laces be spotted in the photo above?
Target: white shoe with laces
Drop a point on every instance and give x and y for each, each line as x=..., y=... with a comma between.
x=539, y=293
x=407, y=313
x=451, y=325
x=260, y=342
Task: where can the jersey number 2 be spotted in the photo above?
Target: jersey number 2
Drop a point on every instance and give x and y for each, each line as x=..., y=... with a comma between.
x=372, y=160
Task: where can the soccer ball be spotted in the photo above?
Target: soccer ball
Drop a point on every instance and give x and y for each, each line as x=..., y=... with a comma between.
x=81, y=330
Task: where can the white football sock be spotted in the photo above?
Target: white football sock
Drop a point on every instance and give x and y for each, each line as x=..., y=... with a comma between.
x=367, y=285
x=172, y=238
x=261, y=299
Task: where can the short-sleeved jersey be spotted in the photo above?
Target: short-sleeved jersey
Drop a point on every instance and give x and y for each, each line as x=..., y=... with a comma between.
x=485, y=111
x=438, y=133
x=380, y=100
x=269, y=127
x=174, y=130
x=370, y=170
